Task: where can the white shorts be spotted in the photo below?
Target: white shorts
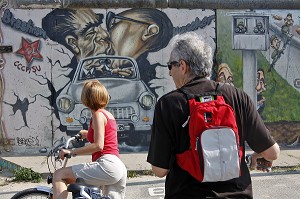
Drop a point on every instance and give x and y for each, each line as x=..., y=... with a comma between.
x=108, y=172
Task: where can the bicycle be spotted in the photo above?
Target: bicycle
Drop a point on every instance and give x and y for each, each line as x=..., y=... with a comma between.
x=79, y=190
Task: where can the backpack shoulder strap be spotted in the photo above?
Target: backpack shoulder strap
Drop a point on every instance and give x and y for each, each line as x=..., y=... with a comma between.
x=190, y=95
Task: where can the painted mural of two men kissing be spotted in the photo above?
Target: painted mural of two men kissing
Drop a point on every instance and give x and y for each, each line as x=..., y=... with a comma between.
x=128, y=35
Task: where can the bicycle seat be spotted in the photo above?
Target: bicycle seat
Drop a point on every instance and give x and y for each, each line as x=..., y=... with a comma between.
x=81, y=185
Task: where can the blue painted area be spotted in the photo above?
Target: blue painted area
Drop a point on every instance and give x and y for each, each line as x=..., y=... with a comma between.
x=7, y=165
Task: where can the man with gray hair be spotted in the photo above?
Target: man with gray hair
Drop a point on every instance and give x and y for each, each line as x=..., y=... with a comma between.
x=190, y=66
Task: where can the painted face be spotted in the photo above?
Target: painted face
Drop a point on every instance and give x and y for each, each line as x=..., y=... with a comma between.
x=276, y=43
x=126, y=32
x=288, y=20
x=260, y=86
x=92, y=38
x=225, y=75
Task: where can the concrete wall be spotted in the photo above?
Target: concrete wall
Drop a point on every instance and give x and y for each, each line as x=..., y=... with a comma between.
x=41, y=73
x=42, y=69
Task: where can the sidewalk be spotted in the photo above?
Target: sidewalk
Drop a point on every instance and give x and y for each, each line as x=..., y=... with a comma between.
x=38, y=163
x=133, y=161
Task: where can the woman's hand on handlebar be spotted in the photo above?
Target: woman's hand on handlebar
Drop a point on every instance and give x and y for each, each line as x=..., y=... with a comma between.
x=63, y=153
x=83, y=134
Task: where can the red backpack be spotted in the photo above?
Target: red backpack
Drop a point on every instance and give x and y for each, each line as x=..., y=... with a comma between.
x=215, y=153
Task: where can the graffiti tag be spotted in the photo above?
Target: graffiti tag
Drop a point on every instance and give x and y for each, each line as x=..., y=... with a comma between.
x=31, y=141
x=27, y=69
x=23, y=26
x=196, y=24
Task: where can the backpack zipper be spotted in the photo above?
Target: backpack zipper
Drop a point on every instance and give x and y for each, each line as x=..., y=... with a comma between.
x=186, y=122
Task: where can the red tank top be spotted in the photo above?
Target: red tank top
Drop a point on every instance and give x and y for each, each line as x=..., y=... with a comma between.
x=110, y=138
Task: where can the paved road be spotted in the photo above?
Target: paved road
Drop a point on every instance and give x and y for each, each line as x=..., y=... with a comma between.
x=276, y=185
x=266, y=185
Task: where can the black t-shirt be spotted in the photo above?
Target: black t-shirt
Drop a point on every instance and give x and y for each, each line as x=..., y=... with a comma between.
x=170, y=138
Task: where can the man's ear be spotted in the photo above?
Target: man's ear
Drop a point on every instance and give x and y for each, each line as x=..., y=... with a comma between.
x=152, y=30
x=72, y=42
x=184, y=67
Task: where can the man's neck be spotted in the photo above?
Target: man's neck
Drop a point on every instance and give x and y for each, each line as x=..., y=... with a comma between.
x=189, y=79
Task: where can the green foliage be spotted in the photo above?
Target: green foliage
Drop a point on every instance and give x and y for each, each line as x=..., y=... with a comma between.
x=136, y=173
x=27, y=175
x=285, y=169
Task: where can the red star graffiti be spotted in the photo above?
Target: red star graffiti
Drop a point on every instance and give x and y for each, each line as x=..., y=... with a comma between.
x=30, y=50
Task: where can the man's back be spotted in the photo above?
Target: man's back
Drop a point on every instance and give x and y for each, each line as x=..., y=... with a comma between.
x=189, y=65
x=179, y=183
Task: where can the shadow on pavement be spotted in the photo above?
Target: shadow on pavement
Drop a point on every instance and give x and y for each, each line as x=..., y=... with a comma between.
x=145, y=182
x=274, y=173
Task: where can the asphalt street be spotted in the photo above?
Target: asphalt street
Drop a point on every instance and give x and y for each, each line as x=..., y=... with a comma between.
x=275, y=185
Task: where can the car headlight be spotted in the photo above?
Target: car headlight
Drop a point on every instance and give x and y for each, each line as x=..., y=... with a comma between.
x=85, y=115
x=147, y=100
x=65, y=104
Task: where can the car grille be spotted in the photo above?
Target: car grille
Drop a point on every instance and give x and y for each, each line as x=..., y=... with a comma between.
x=121, y=113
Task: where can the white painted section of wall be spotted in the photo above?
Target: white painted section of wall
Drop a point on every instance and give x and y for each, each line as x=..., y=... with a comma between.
x=20, y=83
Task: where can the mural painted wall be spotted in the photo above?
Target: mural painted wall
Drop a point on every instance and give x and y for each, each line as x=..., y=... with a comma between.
x=46, y=55
x=274, y=37
x=55, y=51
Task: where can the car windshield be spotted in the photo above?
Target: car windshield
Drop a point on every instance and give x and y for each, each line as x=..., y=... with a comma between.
x=107, y=68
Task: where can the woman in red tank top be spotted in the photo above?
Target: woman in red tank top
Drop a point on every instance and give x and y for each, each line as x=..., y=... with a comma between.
x=106, y=169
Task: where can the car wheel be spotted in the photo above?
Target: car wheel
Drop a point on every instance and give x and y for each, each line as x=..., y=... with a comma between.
x=134, y=139
x=139, y=138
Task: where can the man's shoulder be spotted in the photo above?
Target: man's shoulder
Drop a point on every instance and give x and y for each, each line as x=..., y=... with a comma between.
x=201, y=85
x=172, y=95
x=229, y=90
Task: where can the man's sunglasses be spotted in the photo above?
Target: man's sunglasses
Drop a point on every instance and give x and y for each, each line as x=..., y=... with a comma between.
x=110, y=20
x=170, y=64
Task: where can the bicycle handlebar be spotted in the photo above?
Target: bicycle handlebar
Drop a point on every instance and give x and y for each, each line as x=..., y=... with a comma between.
x=68, y=142
x=55, y=151
x=77, y=137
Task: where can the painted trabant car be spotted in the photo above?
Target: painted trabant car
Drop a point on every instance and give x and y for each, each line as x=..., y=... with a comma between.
x=131, y=101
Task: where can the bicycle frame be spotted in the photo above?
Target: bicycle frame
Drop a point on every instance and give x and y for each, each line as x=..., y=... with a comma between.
x=79, y=189
x=49, y=179
x=66, y=146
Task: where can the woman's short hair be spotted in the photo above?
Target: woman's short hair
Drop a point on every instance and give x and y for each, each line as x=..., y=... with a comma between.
x=94, y=95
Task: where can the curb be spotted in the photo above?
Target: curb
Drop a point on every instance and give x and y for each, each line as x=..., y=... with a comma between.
x=135, y=163
x=8, y=167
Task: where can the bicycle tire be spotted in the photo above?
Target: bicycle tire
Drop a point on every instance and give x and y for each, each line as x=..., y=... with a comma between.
x=32, y=193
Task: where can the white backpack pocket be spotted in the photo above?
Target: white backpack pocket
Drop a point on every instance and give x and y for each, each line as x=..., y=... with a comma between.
x=219, y=150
